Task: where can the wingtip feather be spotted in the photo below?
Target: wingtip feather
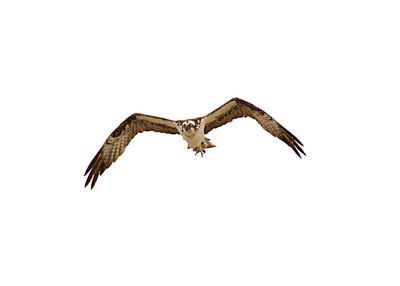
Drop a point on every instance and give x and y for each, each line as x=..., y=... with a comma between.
x=87, y=181
x=297, y=148
x=94, y=181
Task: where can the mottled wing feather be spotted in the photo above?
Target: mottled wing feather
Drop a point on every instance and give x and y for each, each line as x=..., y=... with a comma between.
x=116, y=143
x=237, y=108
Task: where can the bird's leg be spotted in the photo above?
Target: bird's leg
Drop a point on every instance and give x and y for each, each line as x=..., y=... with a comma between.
x=199, y=150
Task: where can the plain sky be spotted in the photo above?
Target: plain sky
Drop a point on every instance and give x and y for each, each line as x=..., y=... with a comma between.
x=250, y=212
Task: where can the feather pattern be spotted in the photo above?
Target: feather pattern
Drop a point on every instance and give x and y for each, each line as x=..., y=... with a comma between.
x=192, y=130
x=116, y=143
x=237, y=108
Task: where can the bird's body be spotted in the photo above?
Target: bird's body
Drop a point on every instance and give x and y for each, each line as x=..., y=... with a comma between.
x=192, y=131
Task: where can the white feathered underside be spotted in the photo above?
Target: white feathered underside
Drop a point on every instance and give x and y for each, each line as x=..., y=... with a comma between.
x=194, y=140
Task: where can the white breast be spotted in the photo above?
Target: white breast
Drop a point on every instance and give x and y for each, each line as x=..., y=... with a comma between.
x=194, y=139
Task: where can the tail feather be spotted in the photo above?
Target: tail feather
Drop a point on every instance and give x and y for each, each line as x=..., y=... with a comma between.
x=208, y=144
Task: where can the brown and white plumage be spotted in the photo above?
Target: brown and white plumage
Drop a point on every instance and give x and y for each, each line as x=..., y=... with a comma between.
x=116, y=143
x=192, y=130
x=237, y=108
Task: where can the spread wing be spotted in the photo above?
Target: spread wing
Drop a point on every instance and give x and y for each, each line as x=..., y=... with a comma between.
x=116, y=143
x=237, y=108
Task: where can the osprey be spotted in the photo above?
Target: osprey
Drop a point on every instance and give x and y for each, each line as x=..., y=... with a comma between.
x=192, y=131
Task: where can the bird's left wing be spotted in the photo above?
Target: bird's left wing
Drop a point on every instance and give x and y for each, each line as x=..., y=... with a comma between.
x=116, y=143
x=238, y=108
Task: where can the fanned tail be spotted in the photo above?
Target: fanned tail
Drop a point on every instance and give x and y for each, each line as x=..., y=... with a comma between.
x=208, y=144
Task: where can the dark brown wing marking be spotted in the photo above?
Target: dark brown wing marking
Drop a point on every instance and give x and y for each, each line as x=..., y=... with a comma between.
x=237, y=108
x=116, y=143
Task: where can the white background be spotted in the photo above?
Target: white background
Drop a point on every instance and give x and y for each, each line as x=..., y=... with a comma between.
x=250, y=212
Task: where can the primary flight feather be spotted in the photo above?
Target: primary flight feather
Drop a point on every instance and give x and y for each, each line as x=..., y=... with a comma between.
x=192, y=131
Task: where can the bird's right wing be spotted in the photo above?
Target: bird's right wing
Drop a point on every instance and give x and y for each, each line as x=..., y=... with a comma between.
x=116, y=143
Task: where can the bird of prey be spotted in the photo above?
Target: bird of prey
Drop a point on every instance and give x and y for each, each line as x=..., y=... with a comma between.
x=192, y=131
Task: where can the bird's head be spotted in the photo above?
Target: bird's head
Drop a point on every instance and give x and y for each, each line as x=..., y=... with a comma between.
x=189, y=126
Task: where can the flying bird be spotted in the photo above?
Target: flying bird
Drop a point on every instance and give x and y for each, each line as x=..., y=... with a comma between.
x=192, y=131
